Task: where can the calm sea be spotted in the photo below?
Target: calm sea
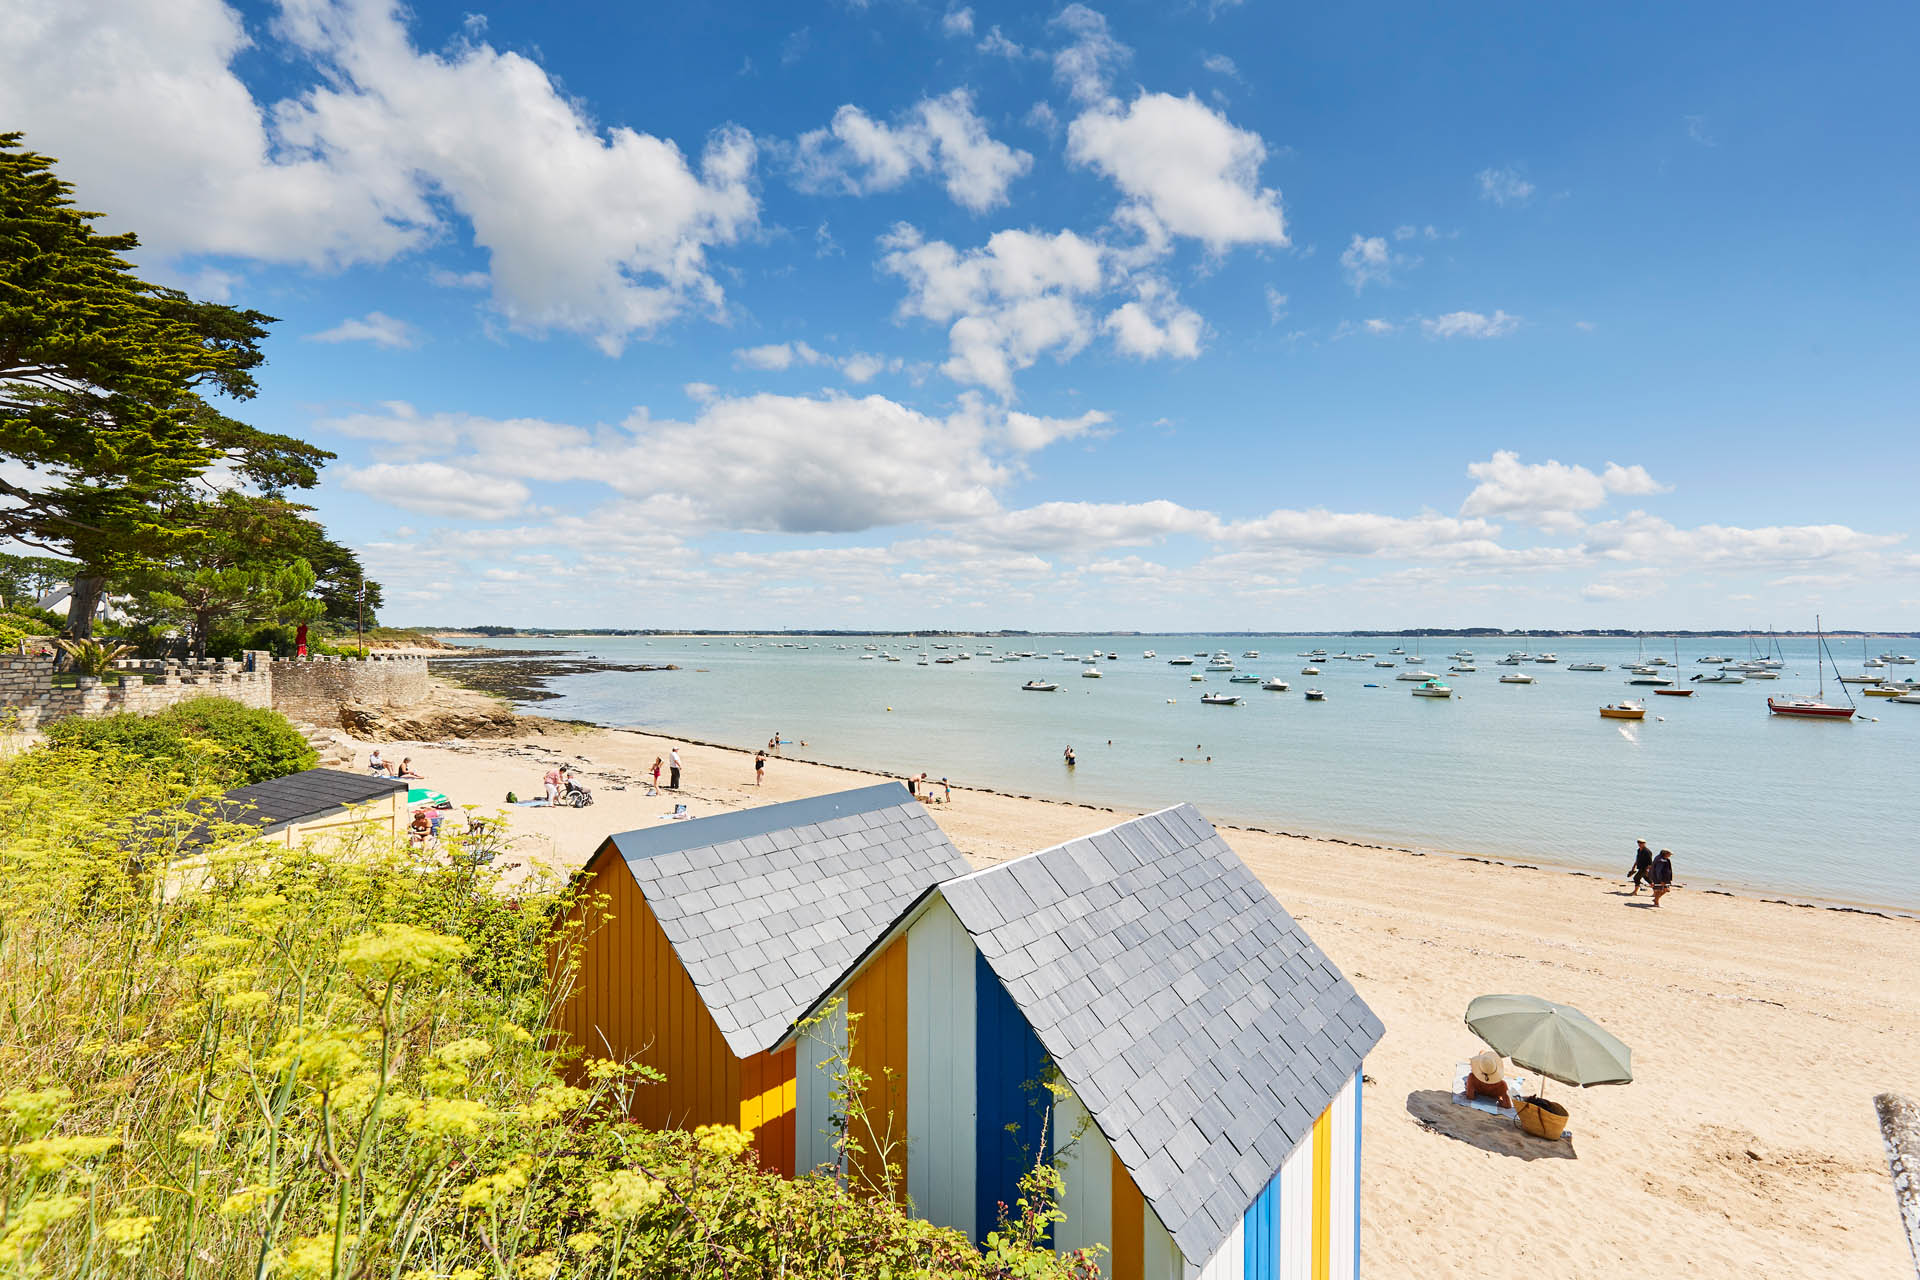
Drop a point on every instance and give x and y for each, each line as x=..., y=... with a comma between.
x=1528, y=772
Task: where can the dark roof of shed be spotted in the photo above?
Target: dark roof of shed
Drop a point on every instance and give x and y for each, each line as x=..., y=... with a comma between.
x=766, y=907
x=294, y=798
x=1198, y=1023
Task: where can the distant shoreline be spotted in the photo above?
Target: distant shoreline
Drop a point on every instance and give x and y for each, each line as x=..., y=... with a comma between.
x=1427, y=633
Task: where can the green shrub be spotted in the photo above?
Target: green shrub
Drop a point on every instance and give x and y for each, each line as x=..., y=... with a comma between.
x=29, y=621
x=247, y=744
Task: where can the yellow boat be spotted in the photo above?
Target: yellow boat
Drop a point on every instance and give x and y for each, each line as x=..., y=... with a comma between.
x=1624, y=711
x=1882, y=691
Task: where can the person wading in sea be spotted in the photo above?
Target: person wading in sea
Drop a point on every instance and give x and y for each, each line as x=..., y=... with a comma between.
x=1642, y=860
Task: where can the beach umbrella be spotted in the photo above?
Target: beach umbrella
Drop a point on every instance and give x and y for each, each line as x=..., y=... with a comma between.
x=420, y=796
x=1557, y=1040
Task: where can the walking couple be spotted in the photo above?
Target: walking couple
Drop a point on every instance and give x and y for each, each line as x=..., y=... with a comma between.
x=1655, y=870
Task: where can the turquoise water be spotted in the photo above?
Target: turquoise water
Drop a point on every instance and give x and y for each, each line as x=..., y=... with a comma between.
x=1527, y=772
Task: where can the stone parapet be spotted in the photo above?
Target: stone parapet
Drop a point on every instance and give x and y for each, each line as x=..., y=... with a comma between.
x=313, y=689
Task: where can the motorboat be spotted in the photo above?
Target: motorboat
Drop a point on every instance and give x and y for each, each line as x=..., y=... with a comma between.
x=1416, y=675
x=1715, y=658
x=1509, y=661
x=1245, y=677
x=1896, y=659
x=1462, y=669
x=1883, y=691
x=1909, y=698
x=1396, y=649
x=1196, y=678
x=1149, y=654
x=1650, y=679
x=1365, y=657
x=1274, y=686
x=1039, y=686
x=866, y=657
x=1315, y=695
x=1113, y=657
x=1516, y=677
x=1761, y=674
x=1722, y=676
x=1433, y=689
x=1309, y=671
x=1251, y=653
x=1091, y=673
x=1866, y=679
x=1181, y=661
x=1387, y=665
x=1218, y=665
x=1587, y=666
x=1220, y=699
x=1548, y=657
x=1628, y=710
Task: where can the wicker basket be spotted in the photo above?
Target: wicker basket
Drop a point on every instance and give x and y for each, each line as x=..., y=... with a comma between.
x=1541, y=1118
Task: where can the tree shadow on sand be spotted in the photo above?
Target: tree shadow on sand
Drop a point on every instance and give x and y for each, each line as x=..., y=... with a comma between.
x=1437, y=1112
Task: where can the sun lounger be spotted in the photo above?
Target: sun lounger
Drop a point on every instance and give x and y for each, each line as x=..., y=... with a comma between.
x=1518, y=1087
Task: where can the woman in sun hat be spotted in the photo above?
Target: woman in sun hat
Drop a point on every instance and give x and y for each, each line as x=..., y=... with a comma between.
x=1486, y=1078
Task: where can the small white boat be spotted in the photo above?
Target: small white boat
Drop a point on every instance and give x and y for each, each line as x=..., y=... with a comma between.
x=1314, y=695
x=1245, y=677
x=866, y=657
x=1859, y=679
x=1516, y=677
x=1650, y=679
x=1251, y=653
x=1416, y=675
x=1149, y=654
x=1508, y=661
x=1911, y=698
x=1387, y=665
x=1462, y=669
x=1039, y=686
x=1221, y=699
x=1433, y=689
x=1896, y=659
x=1309, y=671
x=1217, y=665
x=1762, y=675
x=1274, y=686
x=1180, y=662
x=1197, y=678
x=1587, y=666
x=1091, y=673
x=1625, y=710
x=1396, y=649
x=1714, y=658
x=1722, y=676
x=1548, y=657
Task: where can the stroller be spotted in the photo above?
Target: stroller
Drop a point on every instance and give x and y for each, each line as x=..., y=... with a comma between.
x=575, y=795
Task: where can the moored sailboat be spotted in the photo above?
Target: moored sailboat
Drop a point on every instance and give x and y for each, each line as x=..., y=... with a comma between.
x=1815, y=708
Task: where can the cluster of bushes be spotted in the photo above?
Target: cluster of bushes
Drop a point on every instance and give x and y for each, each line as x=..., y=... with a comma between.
x=215, y=739
x=336, y=1063
x=24, y=620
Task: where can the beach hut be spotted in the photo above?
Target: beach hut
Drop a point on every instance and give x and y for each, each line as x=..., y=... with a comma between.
x=718, y=932
x=1136, y=1005
x=310, y=804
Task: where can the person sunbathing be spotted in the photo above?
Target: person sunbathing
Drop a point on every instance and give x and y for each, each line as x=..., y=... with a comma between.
x=1486, y=1078
x=406, y=769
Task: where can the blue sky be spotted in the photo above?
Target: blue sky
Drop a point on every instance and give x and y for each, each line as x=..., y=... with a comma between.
x=1229, y=315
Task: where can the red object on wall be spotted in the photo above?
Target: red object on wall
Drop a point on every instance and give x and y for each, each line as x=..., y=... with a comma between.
x=300, y=641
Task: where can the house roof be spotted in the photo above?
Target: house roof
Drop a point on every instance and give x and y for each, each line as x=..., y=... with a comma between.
x=766, y=907
x=1197, y=1022
x=294, y=798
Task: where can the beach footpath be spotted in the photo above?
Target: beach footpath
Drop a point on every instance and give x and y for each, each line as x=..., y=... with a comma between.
x=1748, y=1144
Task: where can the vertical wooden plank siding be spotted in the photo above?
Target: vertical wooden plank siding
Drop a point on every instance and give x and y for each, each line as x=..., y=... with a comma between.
x=1322, y=1193
x=1296, y=1213
x=1011, y=1067
x=878, y=998
x=1085, y=1161
x=1129, y=1227
x=941, y=1104
x=1262, y=1234
x=1162, y=1256
x=632, y=1000
x=818, y=1049
x=1340, y=1198
x=1359, y=1131
x=1229, y=1261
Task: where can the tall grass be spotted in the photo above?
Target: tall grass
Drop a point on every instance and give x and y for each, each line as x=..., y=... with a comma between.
x=225, y=1058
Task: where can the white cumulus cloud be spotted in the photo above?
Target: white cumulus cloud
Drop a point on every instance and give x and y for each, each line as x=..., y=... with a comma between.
x=858, y=154
x=1186, y=164
x=376, y=327
x=1548, y=494
x=1367, y=261
x=437, y=489
x=1504, y=186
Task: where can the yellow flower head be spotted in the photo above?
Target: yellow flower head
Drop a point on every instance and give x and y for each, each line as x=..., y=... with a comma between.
x=539, y=1266
x=33, y=1111
x=584, y=1242
x=554, y=1101
x=482, y=1192
x=50, y=1155
x=196, y=1138
x=723, y=1139
x=464, y=1051
x=625, y=1196
x=309, y=1256
x=395, y=951
x=449, y=1117
x=246, y=1200
x=128, y=1231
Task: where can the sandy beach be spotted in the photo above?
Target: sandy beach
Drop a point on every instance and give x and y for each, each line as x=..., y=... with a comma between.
x=1746, y=1146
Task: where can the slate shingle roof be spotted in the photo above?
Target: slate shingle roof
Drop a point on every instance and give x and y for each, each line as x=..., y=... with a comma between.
x=766, y=907
x=1200, y=1026
x=295, y=798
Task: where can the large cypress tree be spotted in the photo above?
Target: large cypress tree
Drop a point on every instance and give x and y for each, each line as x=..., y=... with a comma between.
x=102, y=385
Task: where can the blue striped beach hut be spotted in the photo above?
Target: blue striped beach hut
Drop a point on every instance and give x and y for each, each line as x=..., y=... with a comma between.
x=1137, y=1006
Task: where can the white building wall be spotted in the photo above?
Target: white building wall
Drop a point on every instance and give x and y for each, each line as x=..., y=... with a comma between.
x=1296, y=1213
x=1229, y=1261
x=814, y=1058
x=1085, y=1161
x=1162, y=1256
x=1342, y=1220
x=942, y=1102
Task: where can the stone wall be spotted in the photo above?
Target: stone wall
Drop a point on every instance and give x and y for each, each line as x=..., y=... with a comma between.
x=28, y=695
x=312, y=689
x=309, y=689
